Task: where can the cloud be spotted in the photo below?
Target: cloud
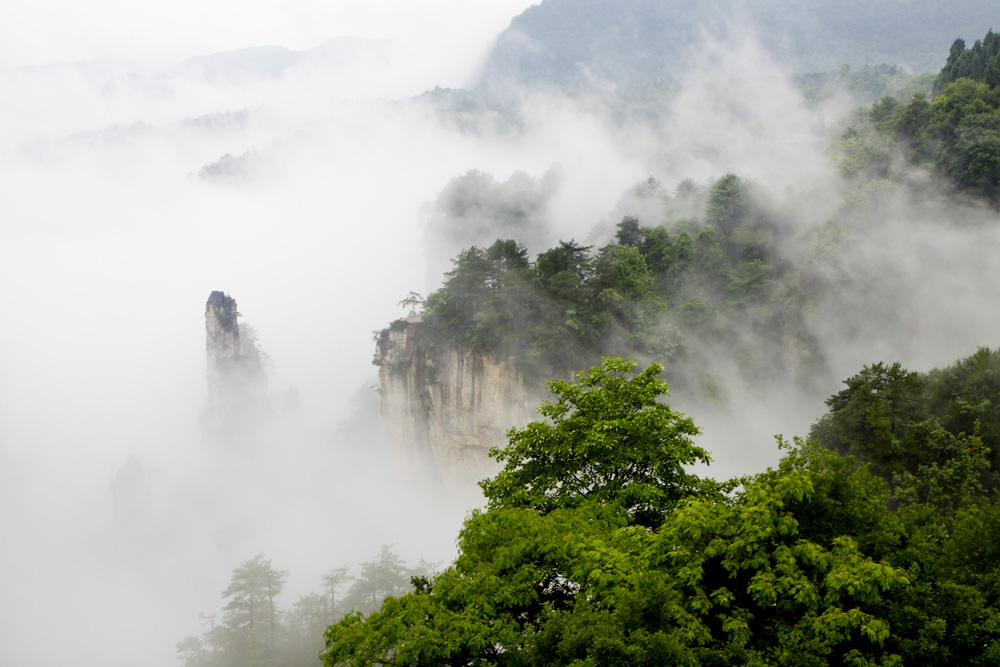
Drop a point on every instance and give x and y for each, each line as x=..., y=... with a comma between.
x=110, y=245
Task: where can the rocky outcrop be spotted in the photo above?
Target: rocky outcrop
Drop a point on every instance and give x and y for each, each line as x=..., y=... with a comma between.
x=444, y=412
x=237, y=384
x=222, y=341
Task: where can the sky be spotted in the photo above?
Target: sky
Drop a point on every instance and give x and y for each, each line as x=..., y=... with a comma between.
x=162, y=33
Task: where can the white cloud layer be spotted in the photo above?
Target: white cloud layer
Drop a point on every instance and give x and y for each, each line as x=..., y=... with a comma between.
x=109, y=248
x=446, y=38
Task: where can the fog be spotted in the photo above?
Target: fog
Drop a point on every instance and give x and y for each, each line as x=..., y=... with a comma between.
x=110, y=243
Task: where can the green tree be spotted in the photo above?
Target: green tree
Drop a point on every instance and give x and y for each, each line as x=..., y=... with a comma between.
x=606, y=439
x=727, y=204
x=629, y=232
x=871, y=417
x=564, y=270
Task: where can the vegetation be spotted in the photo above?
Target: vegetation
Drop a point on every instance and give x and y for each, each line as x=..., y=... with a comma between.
x=566, y=43
x=474, y=209
x=956, y=133
x=607, y=558
x=256, y=632
x=910, y=424
x=719, y=285
x=676, y=293
x=981, y=63
x=599, y=544
x=865, y=85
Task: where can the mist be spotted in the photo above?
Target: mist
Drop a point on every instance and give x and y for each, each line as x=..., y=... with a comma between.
x=121, y=523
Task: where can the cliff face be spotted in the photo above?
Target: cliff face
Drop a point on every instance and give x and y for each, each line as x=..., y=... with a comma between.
x=222, y=341
x=446, y=413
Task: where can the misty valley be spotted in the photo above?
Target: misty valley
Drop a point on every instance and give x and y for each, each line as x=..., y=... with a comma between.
x=644, y=333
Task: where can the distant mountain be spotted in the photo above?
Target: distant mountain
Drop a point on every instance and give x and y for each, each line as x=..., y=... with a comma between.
x=258, y=63
x=567, y=43
x=95, y=72
x=255, y=62
x=269, y=61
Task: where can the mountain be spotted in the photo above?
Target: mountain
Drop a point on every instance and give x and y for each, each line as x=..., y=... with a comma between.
x=568, y=43
x=270, y=61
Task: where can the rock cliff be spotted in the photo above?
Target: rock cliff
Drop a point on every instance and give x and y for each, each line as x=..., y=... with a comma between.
x=444, y=412
x=237, y=384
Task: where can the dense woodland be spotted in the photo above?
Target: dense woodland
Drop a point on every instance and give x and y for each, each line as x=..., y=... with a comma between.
x=598, y=547
x=676, y=292
x=956, y=133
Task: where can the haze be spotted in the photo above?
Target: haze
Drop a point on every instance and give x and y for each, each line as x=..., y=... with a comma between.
x=110, y=244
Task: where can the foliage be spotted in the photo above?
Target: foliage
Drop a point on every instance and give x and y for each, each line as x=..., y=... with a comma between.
x=598, y=545
x=250, y=617
x=256, y=631
x=566, y=567
x=981, y=63
x=685, y=290
x=935, y=434
x=387, y=575
x=605, y=439
x=923, y=434
x=871, y=417
x=865, y=85
x=956, y=133
x=474, y=208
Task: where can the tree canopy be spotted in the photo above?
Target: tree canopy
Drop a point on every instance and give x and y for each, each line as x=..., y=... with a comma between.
x=688, y=290
x=597, y=548
x=607, y=439
x=955, y=133
x=599, y=545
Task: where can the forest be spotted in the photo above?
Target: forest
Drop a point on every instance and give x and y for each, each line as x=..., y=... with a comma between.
x=627, y=40
x=870, y=544
x=599, y=546
x=724, y=271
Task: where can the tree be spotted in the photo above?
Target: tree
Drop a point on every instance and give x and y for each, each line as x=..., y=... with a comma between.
x=384, y=576
x=605, y=438
x=308, y=619
x=726, y=205
x=870, y=417
x=473, y=309
x=629, y=232
x=332, y=580
x=412, y=301
x=570, y=260
x=250, y=617
x=965, y=396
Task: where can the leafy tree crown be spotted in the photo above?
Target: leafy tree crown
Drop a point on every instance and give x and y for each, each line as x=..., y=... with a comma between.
x=607, y=438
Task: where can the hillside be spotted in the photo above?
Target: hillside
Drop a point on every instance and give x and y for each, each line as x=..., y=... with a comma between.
x=567, y=43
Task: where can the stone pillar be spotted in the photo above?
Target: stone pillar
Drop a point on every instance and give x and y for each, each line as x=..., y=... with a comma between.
x=237, y=384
